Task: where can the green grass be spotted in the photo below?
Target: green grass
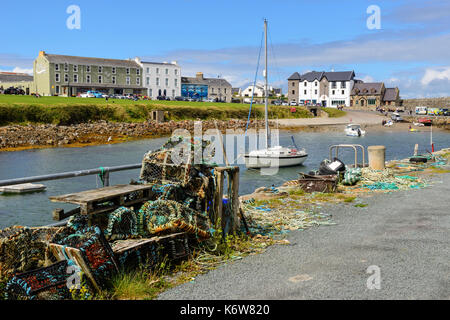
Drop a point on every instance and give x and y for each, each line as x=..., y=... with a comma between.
x=334, y=113
x=67, y=111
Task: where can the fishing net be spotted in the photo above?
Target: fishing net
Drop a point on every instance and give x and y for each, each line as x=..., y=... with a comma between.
x=122, y=224
x=167, y=216
x=49, y=283
x=352, y=176
x=96, y=252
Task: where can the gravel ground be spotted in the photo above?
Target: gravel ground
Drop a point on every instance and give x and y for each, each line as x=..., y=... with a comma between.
x=405, y=234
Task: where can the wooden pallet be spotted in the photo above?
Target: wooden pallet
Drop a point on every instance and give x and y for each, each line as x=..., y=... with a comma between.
x=108, y=198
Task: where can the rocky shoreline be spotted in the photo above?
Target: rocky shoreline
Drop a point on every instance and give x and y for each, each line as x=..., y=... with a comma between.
x=17, y=137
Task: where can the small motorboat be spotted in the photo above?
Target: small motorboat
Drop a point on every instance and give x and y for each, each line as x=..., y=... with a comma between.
x=354, y=130
x=390, y=123
x=275, y=157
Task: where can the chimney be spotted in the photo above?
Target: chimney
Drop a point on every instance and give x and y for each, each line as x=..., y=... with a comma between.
x=199, y=75
x=41, y=53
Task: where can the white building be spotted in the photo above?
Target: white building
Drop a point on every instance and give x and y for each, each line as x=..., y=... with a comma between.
x=258, y=91
x=161, y=78
x=330, y=89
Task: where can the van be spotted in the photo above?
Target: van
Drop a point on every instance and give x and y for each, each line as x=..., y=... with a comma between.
x=421, y=110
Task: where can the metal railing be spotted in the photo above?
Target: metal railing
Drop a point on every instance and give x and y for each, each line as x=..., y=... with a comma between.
x=104, y=171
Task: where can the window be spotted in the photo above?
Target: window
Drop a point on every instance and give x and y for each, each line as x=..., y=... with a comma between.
x=343, y=91
x=157, y=70
x=66, y=77
x=57, y=89
x=167, y=71
x=75, y=68
x=343, y=84
x=212, y=90
x=150, y=92
x=138, y=71
x=305, y=91
x=293, y=84
x=113, y=80
x=333, y=85
x=147, y=81
x=57, y=77
x=176, y=72
x=293, y=91
x=113, y=70
x=128, y=70
x=225, y=90
x=167, y=82
x=56, y=67
x=371, y=101
x=66, y=67
x=100, y=79
x=148, y=70
x=315, y=83
x=88, y=78
x=100, y=69
x=75, y=78
x=138, y=81
x=305, y=83
x=157, y=80
x=333, y=92
x=315, y=91
x=128, y=81
x=176, y=82
x=88, y=68
x=173, y=93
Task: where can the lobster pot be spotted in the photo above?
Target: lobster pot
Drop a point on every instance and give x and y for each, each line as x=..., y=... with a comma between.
x=133, y=253
x=122, y=224
x=49, y=283
x=177, y=248
x=89, y=249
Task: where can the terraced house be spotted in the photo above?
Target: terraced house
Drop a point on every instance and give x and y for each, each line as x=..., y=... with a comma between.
x=63, y=75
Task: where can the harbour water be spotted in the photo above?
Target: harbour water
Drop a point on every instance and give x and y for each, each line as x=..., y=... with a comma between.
x=35, y=209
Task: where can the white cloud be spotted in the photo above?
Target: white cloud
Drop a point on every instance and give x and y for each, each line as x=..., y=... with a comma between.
x=432, y=74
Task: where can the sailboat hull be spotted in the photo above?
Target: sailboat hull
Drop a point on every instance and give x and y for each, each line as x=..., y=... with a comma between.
x=257, y=162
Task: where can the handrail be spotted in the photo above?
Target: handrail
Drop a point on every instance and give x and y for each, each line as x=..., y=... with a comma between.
x=72, y=174
x=354, y=146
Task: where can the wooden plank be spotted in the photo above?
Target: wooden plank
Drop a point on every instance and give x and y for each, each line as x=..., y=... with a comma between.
x=59, y=214
x=99, y=194
x=23, y=188
x=124, y=245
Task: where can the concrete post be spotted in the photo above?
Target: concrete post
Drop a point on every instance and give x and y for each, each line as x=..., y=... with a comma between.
x=377, y=156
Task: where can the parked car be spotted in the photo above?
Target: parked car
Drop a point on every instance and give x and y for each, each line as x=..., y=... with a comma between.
x=293, y=103
x=277, y=102
x=445, y=112
x=179, y=98
x=235, y=100
x=16, y=91
x=396, y=117
x=211, y=100
x=86, y=95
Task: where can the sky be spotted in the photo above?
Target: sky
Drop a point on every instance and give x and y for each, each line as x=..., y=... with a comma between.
x=407, y=47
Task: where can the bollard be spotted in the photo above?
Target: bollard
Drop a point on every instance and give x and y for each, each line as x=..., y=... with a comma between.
x=377, y=155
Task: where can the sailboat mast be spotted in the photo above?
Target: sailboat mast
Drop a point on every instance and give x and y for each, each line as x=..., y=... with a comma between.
x=266, y=89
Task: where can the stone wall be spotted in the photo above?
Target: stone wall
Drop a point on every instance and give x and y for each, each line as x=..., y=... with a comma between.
x=427, y=102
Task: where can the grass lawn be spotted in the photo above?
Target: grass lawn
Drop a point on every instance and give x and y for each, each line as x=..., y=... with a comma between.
x=62, y=110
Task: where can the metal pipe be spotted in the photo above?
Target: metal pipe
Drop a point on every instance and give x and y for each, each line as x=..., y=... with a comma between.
x=71, y=174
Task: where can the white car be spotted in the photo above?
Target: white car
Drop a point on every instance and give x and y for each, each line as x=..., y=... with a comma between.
x=86, y=95
x=293, y=103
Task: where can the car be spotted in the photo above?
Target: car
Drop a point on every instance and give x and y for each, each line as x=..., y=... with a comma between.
x=276, y=102
x=161, y=98
x=445, y=112
x=284, y=103
x=293, y=103
x=421, y=110
x=211, y=100
x=86, y=95
x=179, y=98
x=234, y=100
x=15, y=91
x=396, y=117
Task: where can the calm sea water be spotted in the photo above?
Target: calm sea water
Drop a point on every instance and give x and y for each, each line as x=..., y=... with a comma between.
x=35, y=209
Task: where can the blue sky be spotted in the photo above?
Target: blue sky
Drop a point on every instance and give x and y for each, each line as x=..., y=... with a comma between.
x=222, y=38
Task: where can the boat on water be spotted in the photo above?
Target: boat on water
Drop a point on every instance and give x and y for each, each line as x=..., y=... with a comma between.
x=354, y=130
x=275, y=156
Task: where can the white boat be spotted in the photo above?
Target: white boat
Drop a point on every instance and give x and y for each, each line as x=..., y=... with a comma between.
x=354, y=130
x=276, y=156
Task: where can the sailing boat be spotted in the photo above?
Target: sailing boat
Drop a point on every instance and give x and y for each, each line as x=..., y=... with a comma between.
x=276, y=156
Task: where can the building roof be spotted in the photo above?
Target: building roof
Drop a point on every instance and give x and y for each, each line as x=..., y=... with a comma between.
x=391, y=94
x=205, y=81
x=340, y=75
x=318, y=75
x=56, y=58
x=161, y=63
x=294, y=76
x=14, y=77
x=369, y=88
